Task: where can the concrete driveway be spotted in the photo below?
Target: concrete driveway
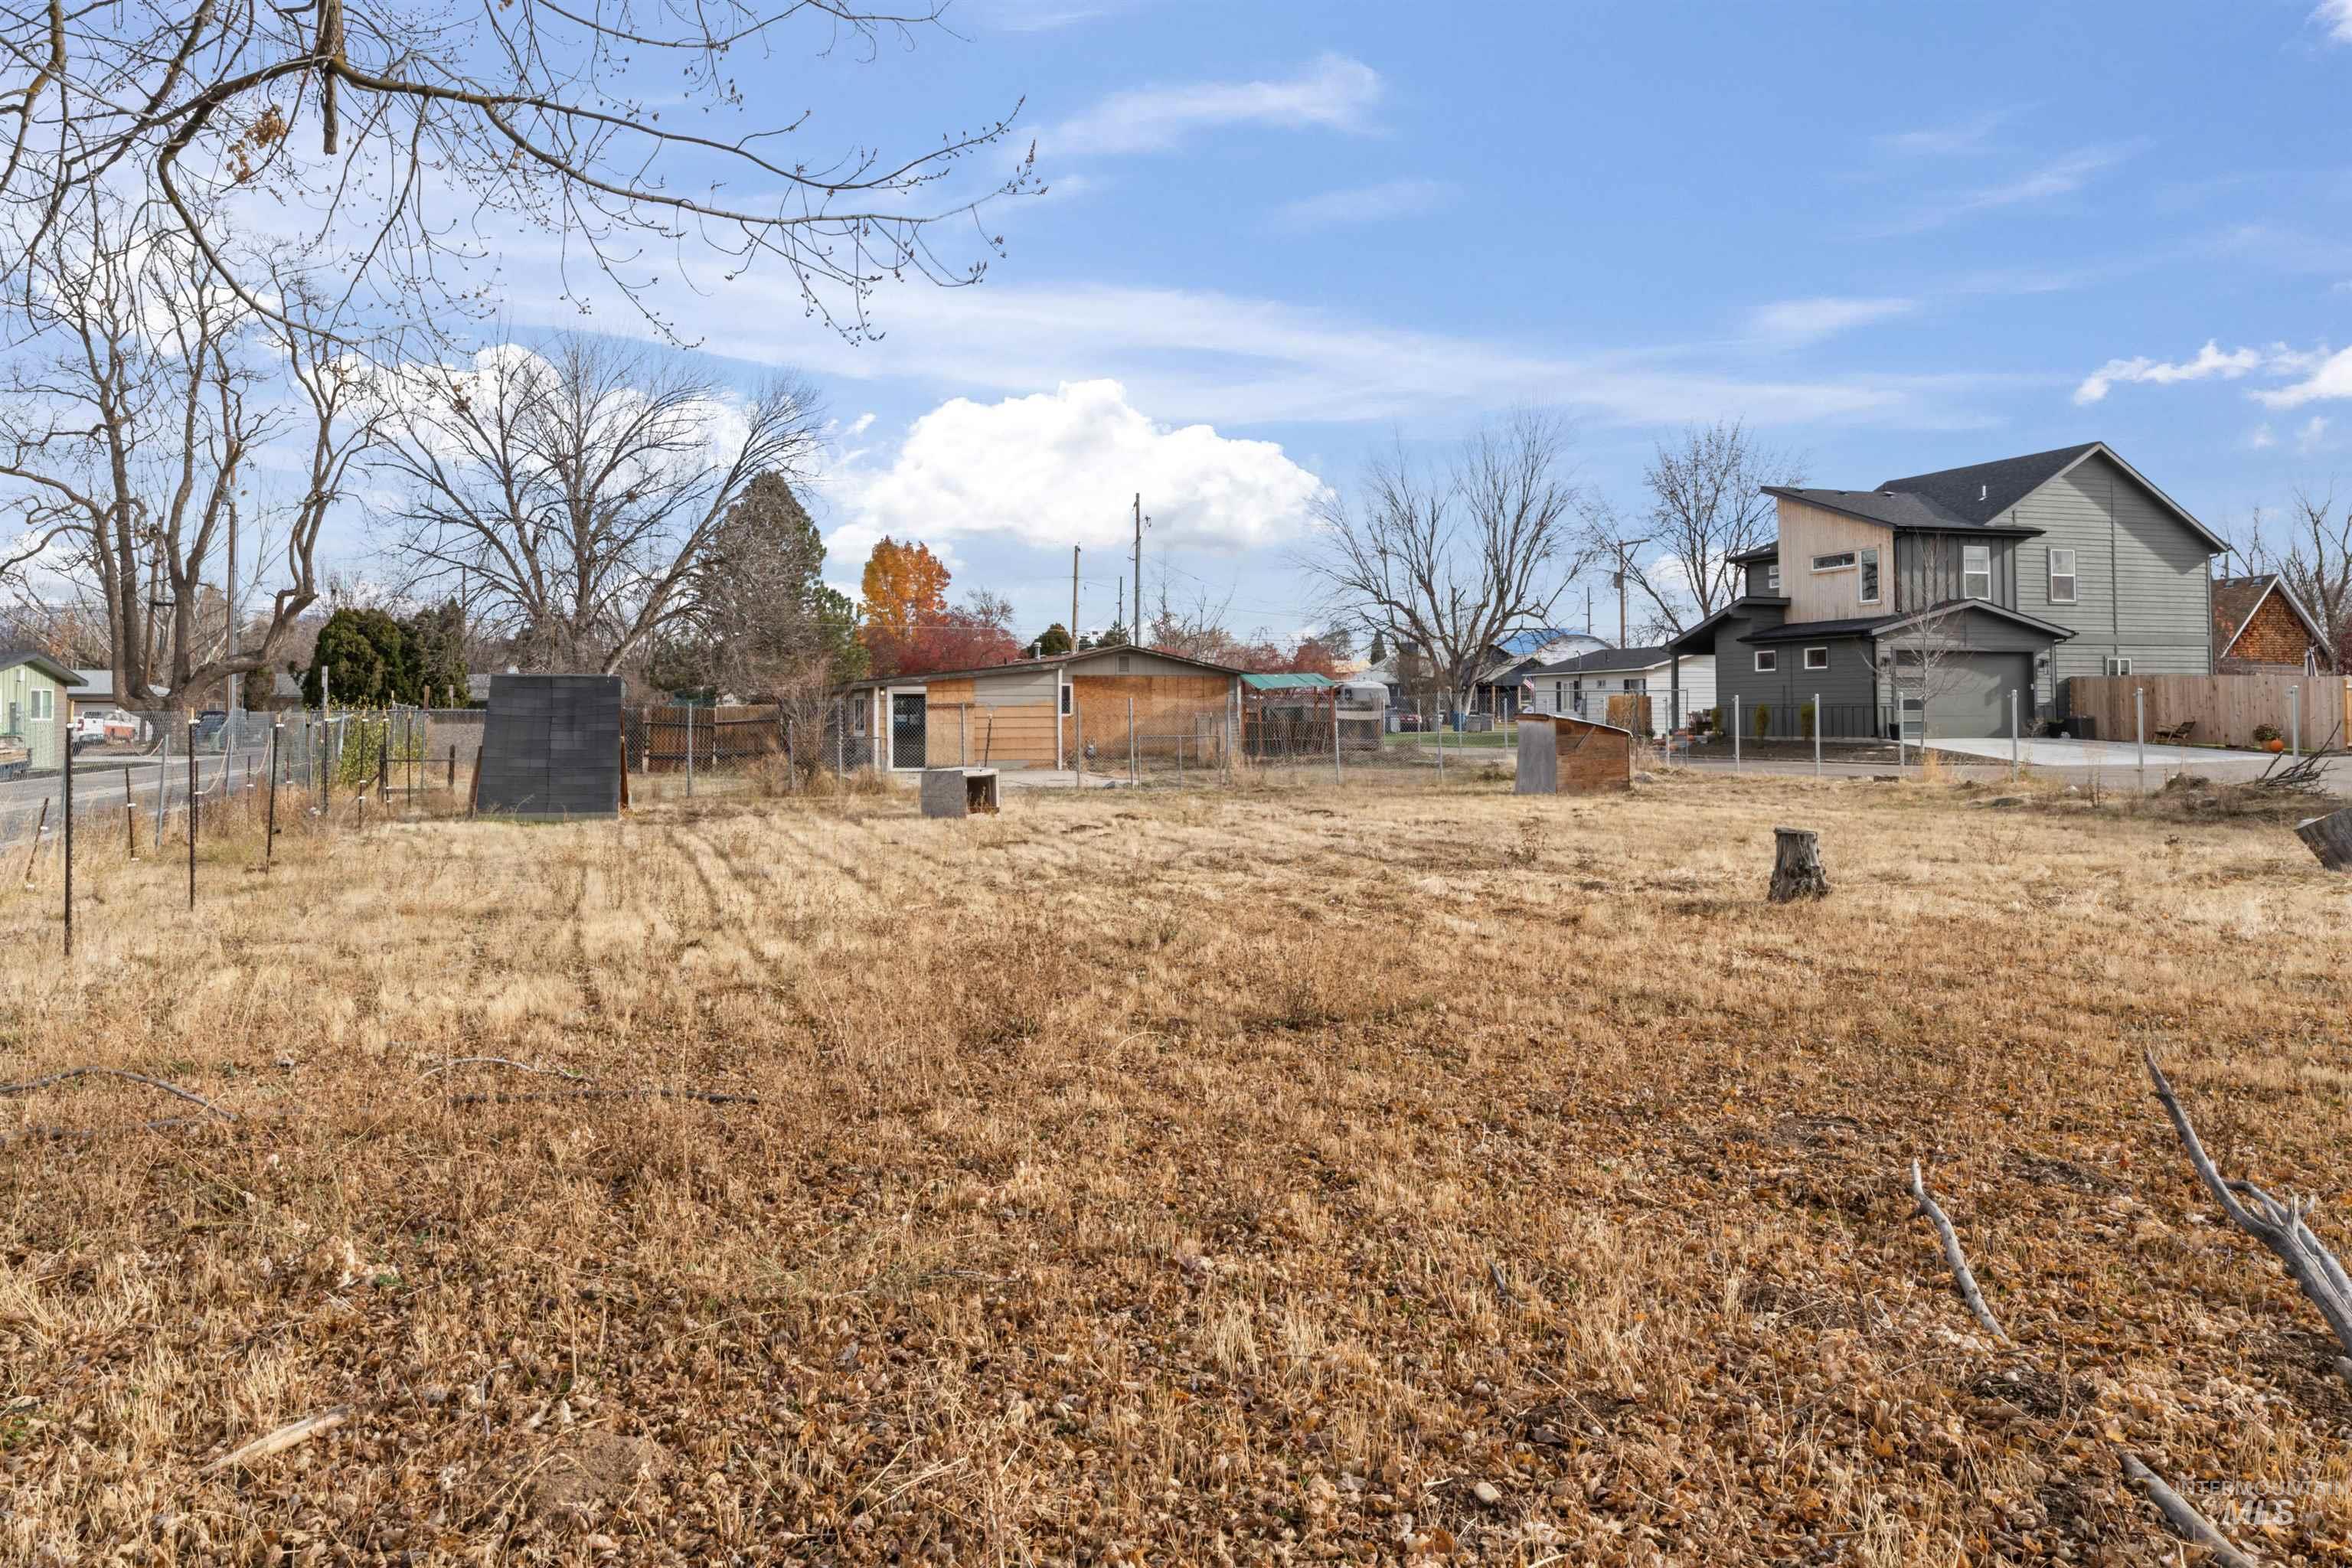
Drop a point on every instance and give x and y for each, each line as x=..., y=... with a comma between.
x=2058, y=752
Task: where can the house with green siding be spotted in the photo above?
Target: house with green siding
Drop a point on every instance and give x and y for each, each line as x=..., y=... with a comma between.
x=33, y=706
x=1928, y=606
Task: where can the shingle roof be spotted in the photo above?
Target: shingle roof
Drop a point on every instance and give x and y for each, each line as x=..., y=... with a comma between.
x=1866, y=626
x=50, y=666
x=1606, y=658
x=2235, y=600
x=1875, y=506
x=1980, y=492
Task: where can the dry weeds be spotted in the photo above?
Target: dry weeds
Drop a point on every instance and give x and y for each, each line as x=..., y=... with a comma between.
x=1205, y=1178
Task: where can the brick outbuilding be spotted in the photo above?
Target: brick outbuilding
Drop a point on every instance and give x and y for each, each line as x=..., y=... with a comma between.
x=2258, y=625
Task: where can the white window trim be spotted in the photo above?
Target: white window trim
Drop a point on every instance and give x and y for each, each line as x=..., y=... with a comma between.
x=2073, y=578
x=1877, y=566
x=1768, y=660
x=1772, y=578
x=45, y=705
x=1967, y=572
x=1823, y=651
x=1841, y=560
x=2117, y=664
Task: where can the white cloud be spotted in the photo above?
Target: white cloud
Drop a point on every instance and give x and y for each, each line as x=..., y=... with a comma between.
x=2330, y=377
x=1805, y=321
x=1060, y=468
x=1949, y=141
x=2335, y=15
x=2060, y=177
x=2262, y=439
x=1365, y=203
x=2210, y=360
x=1333, y=93
x=2314, y=431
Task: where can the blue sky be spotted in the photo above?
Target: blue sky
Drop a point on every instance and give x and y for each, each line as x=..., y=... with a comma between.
x=1276, y=238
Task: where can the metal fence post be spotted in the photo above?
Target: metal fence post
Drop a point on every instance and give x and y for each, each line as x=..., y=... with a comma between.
x=1130, y=740
x=192, y=814
x=129, y=813
x=68, y=785
x=1078, y=741
x=1817, y=734
x=2013, y=734
x=1337, y=775
x=2295, y=717
x=689, y=751
x=269, y=828
x=1735, y=728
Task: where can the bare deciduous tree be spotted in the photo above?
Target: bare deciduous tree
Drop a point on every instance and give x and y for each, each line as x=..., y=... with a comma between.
x=574, y=495
x=403, y=133
x=130, y=421
x=2315, y=564
x=1706, y=506
x=1446, y=564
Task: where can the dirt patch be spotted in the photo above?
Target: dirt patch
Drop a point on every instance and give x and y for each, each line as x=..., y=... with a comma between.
x=585, y=1474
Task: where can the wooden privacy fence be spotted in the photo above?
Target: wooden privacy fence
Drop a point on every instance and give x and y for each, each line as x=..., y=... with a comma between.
x=2225, y=710
x=658, y=736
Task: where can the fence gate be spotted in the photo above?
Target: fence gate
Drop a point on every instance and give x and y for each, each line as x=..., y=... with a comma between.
x=907, y=729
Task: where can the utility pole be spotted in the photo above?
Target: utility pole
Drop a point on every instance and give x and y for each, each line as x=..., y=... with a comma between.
x=1074, y=596
x=1122, y=602
x=1135, y=627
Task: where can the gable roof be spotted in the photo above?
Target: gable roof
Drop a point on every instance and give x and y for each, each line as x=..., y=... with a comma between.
x=1980, y=495
x=42, y=662
x=1607, y=659
x=1874, y=626
x=1703, y=634
x=2235, y=600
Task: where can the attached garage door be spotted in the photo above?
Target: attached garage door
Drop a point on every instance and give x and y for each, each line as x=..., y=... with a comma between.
x=1968, y=695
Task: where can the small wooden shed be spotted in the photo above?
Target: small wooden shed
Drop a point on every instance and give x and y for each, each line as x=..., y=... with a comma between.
x=1559, y=754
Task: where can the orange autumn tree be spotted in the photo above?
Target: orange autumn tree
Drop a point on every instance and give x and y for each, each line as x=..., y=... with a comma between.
x=908, y=628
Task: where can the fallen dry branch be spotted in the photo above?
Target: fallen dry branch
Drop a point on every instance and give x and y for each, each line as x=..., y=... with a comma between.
x=500, y=1061
x=707, y=1097
x=278, y=1442
x=2186, y=1521
x=1964, y=1276
x=59, y=1134
x=2278, y=1225
x=32, y=1083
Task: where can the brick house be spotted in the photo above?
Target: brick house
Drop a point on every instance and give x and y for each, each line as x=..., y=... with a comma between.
x=2259, y=625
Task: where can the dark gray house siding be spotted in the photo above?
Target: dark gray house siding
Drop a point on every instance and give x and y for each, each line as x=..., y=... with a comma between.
x=2142, y=592
x=1847, y=688
x=1929, y=570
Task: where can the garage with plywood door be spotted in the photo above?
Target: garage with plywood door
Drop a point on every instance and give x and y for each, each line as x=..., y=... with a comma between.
x=1040, y=712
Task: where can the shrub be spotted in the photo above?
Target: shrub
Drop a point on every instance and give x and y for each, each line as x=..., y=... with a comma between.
x=1805, y=720
x=2266, y=733
x=1762, y=721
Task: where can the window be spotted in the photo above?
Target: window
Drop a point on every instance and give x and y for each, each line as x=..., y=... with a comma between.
x=1767, y=660
x=1837, y=562
x=44, y=704
x=1975, y=571
x=1122, y=663
x=1817, y=658
x=1870, y=576
x=2117, y=665
x=1066, y=700
x=2062, y=576
x=1772, y=578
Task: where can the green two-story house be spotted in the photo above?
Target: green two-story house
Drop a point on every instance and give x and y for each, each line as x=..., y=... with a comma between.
x=1934, y=603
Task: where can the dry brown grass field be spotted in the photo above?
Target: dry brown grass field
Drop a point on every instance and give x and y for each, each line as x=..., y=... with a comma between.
x=1412, y=1173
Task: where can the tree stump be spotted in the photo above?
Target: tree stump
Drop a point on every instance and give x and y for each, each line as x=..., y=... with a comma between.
x=1797, y=866
x=2330, y=838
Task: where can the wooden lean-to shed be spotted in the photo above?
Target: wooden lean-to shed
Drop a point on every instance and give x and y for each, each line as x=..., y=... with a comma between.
x=1559, y=754
x=1041, y=713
